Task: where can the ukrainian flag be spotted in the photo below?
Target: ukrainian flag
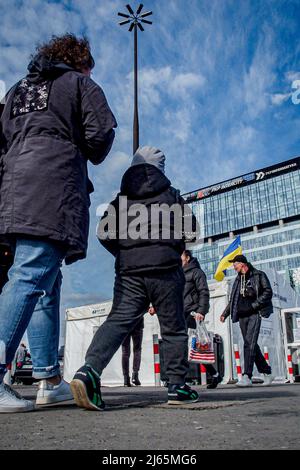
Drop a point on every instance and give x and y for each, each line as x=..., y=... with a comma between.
x=231, y=251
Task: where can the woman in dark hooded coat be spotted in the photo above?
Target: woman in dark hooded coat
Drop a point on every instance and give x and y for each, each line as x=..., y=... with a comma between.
x=54, y=121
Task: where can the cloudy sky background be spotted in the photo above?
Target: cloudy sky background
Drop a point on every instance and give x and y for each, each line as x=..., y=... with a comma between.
x=215, y=92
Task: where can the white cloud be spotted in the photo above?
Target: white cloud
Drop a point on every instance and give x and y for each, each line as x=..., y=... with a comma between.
x=3, y=91
x=260, y=76
x=292, y=76
x=155, y=84
x=241, y=137
x=183, y=83
x=279, y=98
x=177, y=125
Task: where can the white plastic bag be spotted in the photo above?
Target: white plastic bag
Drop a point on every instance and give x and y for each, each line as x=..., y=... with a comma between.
x=201, y=346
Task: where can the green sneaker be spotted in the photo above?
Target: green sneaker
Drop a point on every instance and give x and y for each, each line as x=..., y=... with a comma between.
x=181, y=394
x=85, y=387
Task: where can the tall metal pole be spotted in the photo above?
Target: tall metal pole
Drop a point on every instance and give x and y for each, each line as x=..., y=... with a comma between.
x=135, y=20
x=136, y=130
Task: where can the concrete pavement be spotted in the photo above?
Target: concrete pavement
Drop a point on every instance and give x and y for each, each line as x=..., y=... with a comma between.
x=138, y=418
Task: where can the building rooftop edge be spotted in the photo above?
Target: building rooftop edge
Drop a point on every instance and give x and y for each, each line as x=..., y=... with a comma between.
x=251, y=177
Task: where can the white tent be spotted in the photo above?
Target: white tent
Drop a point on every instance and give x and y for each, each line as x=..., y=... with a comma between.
x=83, y=322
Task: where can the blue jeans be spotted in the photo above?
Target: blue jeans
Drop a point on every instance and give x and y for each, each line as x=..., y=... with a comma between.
x=31, y=299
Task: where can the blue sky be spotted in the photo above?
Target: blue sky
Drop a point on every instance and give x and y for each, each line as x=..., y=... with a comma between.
x=215, y=92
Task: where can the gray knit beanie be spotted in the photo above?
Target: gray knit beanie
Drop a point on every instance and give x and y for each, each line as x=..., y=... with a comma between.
x=150, y=155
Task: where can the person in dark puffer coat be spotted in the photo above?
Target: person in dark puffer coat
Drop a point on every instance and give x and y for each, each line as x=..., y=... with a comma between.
x=196, y=299
x=148, y=270
x=54, y=121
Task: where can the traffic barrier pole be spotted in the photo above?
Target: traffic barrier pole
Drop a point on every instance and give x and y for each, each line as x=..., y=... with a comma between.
x=238, y=361
x=156, y=361
x=298, y=359
x=203, y=374
x=290, y=367
x=266, y=355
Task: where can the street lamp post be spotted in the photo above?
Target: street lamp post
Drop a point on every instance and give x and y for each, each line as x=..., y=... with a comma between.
x=135, y=20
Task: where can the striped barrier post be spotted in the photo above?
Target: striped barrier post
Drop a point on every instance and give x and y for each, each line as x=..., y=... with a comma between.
x=290, y=367
x=203, y=374
x=266, y=355
x=156, y=361
x=238, y=361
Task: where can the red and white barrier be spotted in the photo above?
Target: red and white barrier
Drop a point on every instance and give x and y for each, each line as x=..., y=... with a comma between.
x=266, y=355
x=156, y=361
x=238, y=361
x=290, y=367
x=203, y=374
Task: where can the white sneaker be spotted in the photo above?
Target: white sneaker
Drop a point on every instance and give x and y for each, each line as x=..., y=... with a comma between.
x=12, y=402
x=268, y=380
x=244, y=382
x=49, y=393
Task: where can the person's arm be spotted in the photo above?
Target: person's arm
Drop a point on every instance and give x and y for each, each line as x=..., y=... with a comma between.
x=225, y=314
x=227, y=310
x=107, y=230
x=190, y=226
x=200, y=282
x=266, y=294
x=98, y=122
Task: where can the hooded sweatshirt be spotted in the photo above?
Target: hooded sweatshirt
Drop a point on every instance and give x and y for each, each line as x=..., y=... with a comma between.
x=150, y=155
x=146, y=185
x=54, y=121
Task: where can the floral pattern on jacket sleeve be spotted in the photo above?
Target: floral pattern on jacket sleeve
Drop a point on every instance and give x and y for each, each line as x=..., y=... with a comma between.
x=30, y=97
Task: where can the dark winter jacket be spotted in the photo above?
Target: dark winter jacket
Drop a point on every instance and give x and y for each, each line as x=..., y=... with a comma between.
x=146, y=185
x=53, y=122
x=196, y=292
x=261, y=305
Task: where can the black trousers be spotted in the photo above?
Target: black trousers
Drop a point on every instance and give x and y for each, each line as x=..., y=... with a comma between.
x=250, y=327
x=132, y=296
x=137, y=338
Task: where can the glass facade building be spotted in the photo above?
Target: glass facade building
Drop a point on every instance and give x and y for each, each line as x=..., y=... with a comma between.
x=262, y=207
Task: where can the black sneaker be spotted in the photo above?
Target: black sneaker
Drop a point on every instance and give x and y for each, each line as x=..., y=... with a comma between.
x=181, y=394
x=85, y=387
x=215, y=382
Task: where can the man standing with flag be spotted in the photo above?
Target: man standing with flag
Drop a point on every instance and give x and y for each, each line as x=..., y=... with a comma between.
x=250, y=300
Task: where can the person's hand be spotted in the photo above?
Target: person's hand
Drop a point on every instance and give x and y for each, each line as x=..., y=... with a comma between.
x=152, y=311
x=199, y=317
x=222, y=319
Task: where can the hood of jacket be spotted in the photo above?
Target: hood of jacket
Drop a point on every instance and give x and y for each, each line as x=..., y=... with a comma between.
x=193, y=264
x=41, y=68
x=142, y=181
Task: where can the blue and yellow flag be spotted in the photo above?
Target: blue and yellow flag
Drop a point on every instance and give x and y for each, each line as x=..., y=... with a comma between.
x=231, y=251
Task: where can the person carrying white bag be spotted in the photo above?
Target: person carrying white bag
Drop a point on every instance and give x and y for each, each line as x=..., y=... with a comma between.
x=196, y=300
